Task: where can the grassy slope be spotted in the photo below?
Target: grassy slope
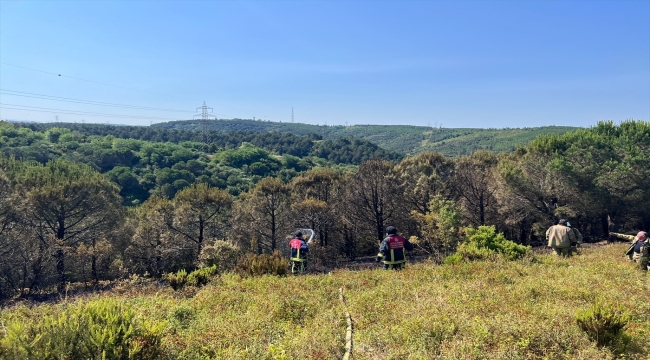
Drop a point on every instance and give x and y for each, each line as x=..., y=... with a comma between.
x=497, y=140
x=401, y=138
x=490, y=310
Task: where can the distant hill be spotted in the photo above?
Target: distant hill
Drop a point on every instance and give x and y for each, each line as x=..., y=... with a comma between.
x=405, y=139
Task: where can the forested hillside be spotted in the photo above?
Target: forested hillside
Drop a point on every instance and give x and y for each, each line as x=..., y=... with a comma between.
x=65, y=220
x=404, y=139
x=145, y=161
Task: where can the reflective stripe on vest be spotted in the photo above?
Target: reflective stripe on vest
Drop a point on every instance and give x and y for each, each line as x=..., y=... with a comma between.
x=297, y=258
x=395, y=243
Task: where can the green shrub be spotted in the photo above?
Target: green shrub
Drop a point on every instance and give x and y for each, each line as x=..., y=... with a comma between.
x=197, y=277
x=484, y=242
x=201, y=276
x=294, y=308
x=603, y=324
x=472, y=252
x=181, y=316
x=440, y=228
x=102, y=329
x=453, y=259
x=221, y=253
x=263, y=264
x=177, y=281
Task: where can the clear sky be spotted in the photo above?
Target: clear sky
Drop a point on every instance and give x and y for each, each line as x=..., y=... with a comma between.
x=449, y=63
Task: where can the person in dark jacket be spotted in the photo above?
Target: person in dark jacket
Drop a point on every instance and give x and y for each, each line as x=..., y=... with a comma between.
x=391, y=250
x=299, y=251
x=578, y=241
x=639, y=250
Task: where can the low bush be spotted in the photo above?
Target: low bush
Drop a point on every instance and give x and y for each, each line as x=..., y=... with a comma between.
x=221, y=253
x=484, y=242
x=323, y=258
x=197, y=277
x=177, y=281
x=101, y=329
x=453, y=259
x=604, y=325
x=262, y=264
x=201, y=276
x=181, y=316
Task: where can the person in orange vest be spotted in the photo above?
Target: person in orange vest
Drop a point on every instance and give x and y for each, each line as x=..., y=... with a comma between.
x=391, y=250
x=299, y=251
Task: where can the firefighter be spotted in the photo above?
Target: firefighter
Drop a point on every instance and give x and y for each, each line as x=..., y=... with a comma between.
x=579, y=238
x=639, y=250
x=560, y=237
x=391, y=250
x=299, y=251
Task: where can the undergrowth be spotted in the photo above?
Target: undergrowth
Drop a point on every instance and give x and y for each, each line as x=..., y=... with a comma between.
x=485, y=243
x=198, y=277
x=101, y=329
x=552, y=308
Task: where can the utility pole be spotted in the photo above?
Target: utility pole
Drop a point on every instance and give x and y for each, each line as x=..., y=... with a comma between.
x=205, y=121
x=292, y=114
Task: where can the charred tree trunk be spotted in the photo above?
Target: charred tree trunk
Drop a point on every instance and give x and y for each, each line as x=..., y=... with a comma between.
x=481, y=205
x=60, y=260
x=200, y=239
x=60, y=269
x=273, y=232
x=93, y=266
x=604, y=223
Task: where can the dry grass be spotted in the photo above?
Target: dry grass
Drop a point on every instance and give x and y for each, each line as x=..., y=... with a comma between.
x=483, y=310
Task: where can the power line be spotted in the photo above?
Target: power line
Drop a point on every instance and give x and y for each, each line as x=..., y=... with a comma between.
x=92, y=81
x=75, y=112
x=81, y=101
x=88, y=102
x=101, y=83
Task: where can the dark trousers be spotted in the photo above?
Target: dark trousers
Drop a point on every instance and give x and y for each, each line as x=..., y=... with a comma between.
x=399, y=266
x=298, y=267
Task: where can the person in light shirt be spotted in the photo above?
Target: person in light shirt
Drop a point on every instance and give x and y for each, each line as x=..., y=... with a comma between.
x=560, y=237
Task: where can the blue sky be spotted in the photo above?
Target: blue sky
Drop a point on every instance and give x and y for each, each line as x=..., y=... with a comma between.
x=444, y=63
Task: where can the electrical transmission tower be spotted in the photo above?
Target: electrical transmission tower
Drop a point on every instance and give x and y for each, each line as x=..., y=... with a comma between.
x=205, y=121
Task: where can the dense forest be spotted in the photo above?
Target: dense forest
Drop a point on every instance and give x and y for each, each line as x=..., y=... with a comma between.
x=338, y=150
x=404, y=139
x=63, y=194
x=145, y=160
